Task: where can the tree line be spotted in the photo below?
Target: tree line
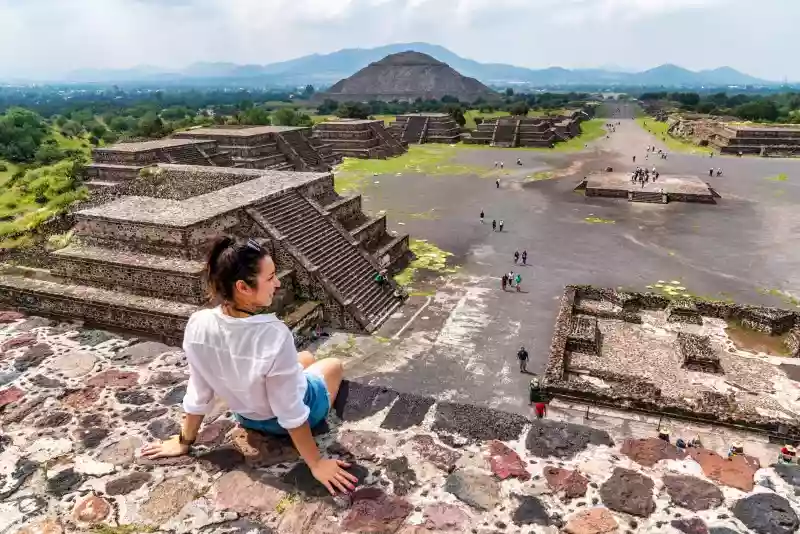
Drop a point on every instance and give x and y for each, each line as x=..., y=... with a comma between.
x=779, y=108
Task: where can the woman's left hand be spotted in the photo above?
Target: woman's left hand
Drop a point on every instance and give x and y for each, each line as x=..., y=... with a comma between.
x=165, y=449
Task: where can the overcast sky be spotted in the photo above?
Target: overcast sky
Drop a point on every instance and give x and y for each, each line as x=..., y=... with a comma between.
x=47, y=38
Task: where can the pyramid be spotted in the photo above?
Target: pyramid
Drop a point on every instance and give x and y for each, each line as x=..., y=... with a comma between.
x=407, y=76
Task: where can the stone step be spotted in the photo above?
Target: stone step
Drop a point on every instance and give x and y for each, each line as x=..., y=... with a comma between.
x=137, y=272
x=165, y=319
x=100, y=185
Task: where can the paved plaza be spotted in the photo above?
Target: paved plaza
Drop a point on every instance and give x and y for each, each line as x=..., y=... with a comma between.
x=459, y=340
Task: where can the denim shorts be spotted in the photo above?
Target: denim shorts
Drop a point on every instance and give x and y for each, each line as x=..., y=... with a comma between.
x=316, y=398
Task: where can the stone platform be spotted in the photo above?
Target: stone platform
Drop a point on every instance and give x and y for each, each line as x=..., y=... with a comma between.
x=77, y=404
x=357, y=138
x=676, y=188
x=684, y=365
x=136, y=263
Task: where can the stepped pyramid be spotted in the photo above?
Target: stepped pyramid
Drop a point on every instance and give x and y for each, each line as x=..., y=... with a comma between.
x=408, y=76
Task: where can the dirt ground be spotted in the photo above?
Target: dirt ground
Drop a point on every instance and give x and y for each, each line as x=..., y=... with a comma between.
x=460, y=341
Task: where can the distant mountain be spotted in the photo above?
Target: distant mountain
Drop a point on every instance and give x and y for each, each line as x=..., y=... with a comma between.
x=326, y=69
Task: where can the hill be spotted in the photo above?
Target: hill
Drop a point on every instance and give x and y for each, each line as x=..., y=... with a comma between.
x=406, y=76
x=326, y=69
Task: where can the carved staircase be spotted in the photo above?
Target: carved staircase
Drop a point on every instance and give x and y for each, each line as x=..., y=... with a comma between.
x=331, y=253
x=415, y=128
x=650, y=197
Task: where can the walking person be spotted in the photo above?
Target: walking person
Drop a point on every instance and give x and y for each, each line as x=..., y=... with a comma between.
x=516, y=256
x=501, y=164
x=524, y=257
x=518, y=282
x=505, y=281
x=522, y=356
x=482, y=215
x=494, y=225
x=711, y=171
x=497, y=183
x=248, y=360
x=500, y=229
x=541, y=409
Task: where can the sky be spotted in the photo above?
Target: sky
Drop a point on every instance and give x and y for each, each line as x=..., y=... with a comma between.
x=46, y=39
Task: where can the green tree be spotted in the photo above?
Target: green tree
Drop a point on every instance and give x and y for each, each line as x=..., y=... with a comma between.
x=308, y=92
x=509, y=92
x=291, y=117
x=354, y=110
x=71, y=128
x=21, y=134
x=457, y=113
x=256, y=116
x=151, y=126
x=520, y=108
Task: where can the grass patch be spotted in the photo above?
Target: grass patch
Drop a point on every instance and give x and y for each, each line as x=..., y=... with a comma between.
x=286, y=502
x=427, y=257
x=122, y=529
x=674, y=144
x=783, y=295
x=10, y=169
x=539, y=176
x=751, y=340
x=779, y=178
x=432, y=159
x=598, y=220
x=36, y=197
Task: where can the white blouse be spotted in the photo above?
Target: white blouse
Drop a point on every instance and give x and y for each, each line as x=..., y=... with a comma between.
x=250, y=363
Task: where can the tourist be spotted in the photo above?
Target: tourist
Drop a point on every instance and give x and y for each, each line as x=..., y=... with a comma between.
x=494, y=225
x=496, y=164
x=248, y=360
x=711, y=171
x=516, y=256
x=519, y=161
x=505, y=281
x=500, y=228
x=522, y=356
x=541, y=409
x=501, y=164
x=787, y=455
x=497, y=183
x=482, y=215
x=680, y=443
x=734, y=449
x=719, y=171
x=518, y=282
x=510, y=278
x=663, y=434
x=634, y=159
x=380, y=278
x=524, y=257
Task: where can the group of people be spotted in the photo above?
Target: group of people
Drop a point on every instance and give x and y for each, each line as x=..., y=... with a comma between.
x=644, y=175
x=496, y=227
x=787, y=454
x=711, y=171
x=512, y=280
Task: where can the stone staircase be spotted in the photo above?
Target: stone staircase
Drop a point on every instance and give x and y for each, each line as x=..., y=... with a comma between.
x=505, y=134
x=311, y=159
x=185, y=155
x=650, y=197
x=391, y=145
x=415, y=129
x=327, y=250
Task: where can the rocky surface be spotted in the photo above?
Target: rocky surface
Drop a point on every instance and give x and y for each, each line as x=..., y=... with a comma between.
x=74, y=420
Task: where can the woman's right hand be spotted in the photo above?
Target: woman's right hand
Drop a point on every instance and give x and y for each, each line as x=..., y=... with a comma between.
x=332, y=474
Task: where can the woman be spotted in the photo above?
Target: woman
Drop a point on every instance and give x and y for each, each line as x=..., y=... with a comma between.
x=249, y=360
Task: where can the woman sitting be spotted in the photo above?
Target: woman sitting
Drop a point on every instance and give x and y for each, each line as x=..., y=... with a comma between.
x=249, y=360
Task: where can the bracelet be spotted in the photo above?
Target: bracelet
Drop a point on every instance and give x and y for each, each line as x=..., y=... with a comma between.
x=183, y=441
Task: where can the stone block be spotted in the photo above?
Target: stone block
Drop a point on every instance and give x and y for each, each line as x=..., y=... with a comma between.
x=477, y=423
x=698, y=353
x=683, y=311
x=247, y=492
x=563, y=440
x=692, y=493
x=584, y=335
x=407, y=411
x=628, y=492
x=358, y=401
x=766, y=513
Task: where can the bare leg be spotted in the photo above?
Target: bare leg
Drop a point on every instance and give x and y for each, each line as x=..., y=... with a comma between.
x=306, y=359
x=332, y=371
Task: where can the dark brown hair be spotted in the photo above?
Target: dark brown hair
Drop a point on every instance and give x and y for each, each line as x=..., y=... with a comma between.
x=230, y=260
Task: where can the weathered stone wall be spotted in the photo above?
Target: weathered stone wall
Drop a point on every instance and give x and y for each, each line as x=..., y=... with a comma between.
x=633, y=393
x=371, y=232
x=191, y=181
x=346, y=209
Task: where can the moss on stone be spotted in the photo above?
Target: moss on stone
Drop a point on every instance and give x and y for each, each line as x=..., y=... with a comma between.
x=428, y=257
x=599, y=220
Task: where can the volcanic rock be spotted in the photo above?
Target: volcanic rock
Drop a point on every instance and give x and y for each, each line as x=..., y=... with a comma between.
x=505, y=462
x=737, y=472
x=628, y=492
x=474, y=488
x=592, y=521
x=692, y=493
x=766, y=513
x=567, y=484
x=650, y=451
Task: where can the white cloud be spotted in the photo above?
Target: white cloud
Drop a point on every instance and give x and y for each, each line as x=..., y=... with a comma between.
x=50, y=37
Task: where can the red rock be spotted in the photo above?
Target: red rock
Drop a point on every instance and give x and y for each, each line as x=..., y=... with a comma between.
x=246, y=492
x=262, y=450
x=443, y=517
x=309, y=516
x=694, y=525
x=592, y=521
x=214, y=434
x=380, y=515
x=81, y=399
x=567, y=484
x=737, y=472
x=113, y=378
x=361, y=444
x=10, y=395
x=439, y=455
x=505, y=462
x=10, y=316
x=17, y=342
x=92, y=509
x=650, y=451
